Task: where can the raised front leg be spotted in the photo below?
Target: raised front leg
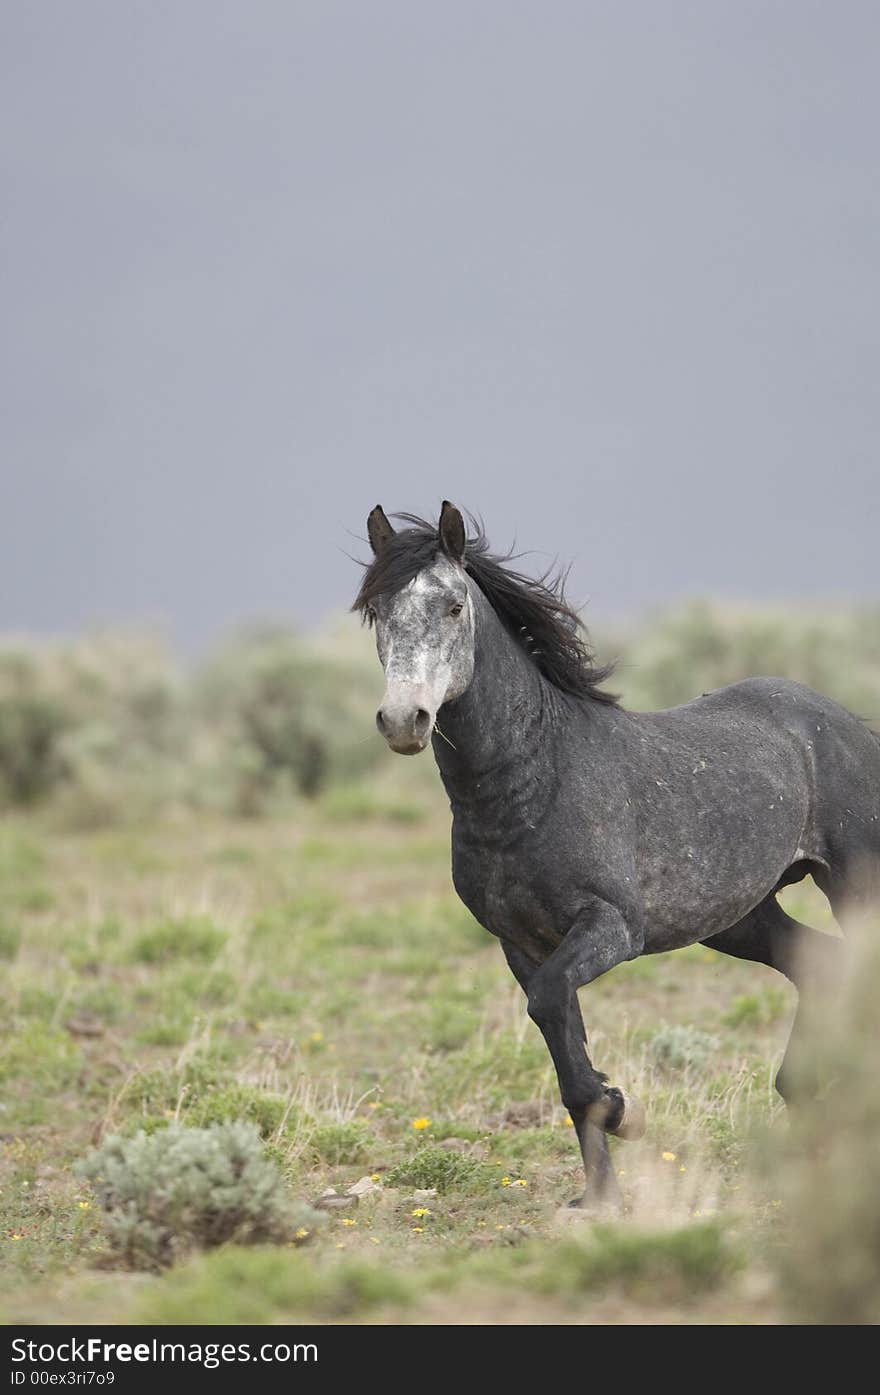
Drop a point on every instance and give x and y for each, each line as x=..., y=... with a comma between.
x=598, y=940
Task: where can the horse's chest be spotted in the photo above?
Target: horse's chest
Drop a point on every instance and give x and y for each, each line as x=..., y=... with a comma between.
x=503, y=892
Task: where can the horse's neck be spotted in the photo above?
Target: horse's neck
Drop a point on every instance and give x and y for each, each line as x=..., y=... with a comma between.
x=501, y=723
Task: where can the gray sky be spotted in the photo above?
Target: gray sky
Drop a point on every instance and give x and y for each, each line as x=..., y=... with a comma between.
x=606, y=273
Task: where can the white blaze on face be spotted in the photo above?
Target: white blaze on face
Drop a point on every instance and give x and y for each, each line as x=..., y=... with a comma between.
x=426, y=651
x=413, y=662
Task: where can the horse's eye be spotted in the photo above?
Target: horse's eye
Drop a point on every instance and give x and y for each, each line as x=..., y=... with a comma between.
x=457, y=608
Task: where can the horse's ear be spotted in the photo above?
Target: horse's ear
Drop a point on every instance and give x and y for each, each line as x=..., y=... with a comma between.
x=452, y=534
x=379, y=530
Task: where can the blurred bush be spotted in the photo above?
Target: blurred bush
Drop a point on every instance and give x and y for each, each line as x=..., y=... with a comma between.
x=167, y=1194
x=678, y=654
x=101, y=724
x=110, y=727
x=678, y=1047
x=278, y=717
x=826, y=1169
x=31, y=726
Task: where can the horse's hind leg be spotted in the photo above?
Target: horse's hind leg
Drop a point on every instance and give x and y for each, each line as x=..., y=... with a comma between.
x=852, y=885
x=811, y=960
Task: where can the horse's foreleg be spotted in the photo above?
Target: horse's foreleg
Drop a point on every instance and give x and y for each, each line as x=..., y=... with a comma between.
x=594, y=944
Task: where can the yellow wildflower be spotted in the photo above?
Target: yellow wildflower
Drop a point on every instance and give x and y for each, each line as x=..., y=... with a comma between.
x=420, y=1211
x=301, y=1233
x=84, y=1205
x=347, y=1220
x=418, y=1229
x=421, y=1123
x=505, y=1181
x=668, y=1157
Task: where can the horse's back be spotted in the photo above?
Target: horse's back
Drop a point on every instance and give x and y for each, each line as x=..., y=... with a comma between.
x=834, y=755
x=778, y=704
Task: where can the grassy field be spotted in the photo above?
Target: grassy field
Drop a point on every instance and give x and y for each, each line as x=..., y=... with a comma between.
x=317, y=976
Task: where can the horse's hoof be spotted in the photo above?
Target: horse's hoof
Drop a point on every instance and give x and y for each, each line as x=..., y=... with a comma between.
x=605, y=1204
x=573, y=1214
x=633, y=1121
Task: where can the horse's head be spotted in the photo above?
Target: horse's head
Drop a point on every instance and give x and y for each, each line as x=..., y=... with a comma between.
x=422, y=610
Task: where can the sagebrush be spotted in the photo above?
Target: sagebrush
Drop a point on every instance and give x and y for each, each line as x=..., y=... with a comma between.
x=167, y=1194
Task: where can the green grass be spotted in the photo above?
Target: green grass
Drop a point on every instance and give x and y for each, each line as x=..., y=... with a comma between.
x=191, y=938
x=317, y=977
x=437, y=1169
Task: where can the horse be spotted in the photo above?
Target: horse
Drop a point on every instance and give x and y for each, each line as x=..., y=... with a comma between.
x=584, y=834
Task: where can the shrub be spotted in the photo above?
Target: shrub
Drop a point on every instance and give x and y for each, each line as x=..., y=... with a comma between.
x=100, y=723
x=31, y=724
x=678, y=1047
x=341, y=1143
x=200, y=1093
x=678, y=654
x=166, y=1194
x=243, y=1102
x=283, y=719
x=690, y=1260
x=263, y=1285
x=436, y=1167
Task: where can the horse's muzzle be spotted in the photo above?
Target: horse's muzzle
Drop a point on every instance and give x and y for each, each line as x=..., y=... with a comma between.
x=405, y=728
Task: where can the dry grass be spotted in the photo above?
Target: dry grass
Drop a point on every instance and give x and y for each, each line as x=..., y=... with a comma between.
x=317, y=976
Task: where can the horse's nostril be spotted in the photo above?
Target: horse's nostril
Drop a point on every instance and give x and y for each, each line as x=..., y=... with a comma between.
x=423, y=722
x=380, y=721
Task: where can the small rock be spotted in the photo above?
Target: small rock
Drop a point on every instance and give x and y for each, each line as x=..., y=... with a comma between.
x=330, y=1200
x=85, y=1027
x=424, y=1193
x=363, y=1187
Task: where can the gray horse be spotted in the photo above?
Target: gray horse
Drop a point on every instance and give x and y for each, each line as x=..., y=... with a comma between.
x=584, y=835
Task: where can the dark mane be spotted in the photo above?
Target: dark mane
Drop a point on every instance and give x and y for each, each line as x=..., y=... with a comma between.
x=534, y=611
